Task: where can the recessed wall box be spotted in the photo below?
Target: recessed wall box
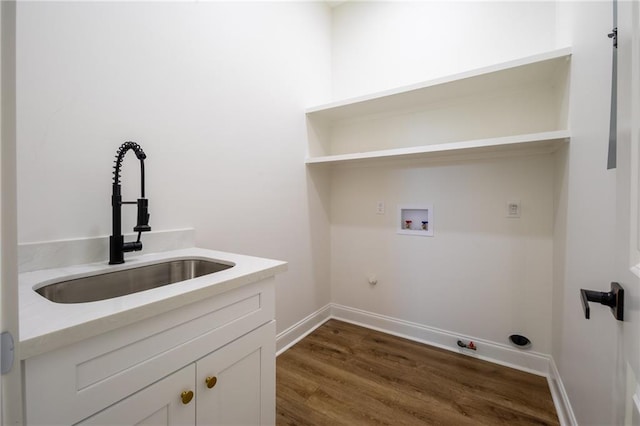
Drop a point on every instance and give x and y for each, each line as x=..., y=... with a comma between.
x=415, y=220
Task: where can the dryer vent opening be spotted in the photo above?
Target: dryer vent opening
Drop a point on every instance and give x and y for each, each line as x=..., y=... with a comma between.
x=519, y=341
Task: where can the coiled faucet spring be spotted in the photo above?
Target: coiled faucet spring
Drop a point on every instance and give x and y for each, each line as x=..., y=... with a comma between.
x=122, y=150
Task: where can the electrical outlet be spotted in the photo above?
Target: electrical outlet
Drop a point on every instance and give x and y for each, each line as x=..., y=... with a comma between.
x=514, y=209
x=380, y=207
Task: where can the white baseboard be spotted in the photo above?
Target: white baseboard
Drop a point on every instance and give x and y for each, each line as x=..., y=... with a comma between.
x=560, y=397
x=525, y=360
x=298, y=331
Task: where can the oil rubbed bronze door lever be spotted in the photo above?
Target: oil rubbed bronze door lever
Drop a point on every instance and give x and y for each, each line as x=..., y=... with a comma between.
x=614, y=299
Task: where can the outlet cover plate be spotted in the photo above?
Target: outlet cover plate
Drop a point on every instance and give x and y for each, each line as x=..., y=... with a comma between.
x=514, y=209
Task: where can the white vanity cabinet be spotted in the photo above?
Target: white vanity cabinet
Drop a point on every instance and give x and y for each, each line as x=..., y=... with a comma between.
x=231, y=386
x=138, y=373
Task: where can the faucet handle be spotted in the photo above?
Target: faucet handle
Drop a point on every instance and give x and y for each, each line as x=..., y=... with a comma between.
x=143, y=216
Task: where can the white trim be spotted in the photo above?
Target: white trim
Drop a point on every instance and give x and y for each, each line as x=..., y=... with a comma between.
x=300, y=330
x=560, y=397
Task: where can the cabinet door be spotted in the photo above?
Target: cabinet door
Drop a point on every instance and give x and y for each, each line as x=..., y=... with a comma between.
x=159, y=404
x=242, y=380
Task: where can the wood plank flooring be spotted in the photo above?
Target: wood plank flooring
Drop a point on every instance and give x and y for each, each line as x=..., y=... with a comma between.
x=342, y=374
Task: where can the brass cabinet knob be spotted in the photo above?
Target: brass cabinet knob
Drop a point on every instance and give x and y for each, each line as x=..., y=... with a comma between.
x=186, y=396
x=211, y=381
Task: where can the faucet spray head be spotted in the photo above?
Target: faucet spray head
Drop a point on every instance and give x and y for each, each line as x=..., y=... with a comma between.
x=143, y=216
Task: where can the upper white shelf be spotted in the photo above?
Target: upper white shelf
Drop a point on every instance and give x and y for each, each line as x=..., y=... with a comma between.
x=518, y=106
x=512, y=73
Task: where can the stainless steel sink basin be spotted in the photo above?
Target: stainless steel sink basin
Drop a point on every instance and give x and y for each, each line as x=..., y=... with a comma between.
x=128, y=281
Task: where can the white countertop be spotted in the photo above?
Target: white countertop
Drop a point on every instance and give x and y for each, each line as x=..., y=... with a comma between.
x=45, y=325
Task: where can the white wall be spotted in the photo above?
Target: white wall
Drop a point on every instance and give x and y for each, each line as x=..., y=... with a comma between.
x=379, y=45
x=214, y=92
x=482, y=274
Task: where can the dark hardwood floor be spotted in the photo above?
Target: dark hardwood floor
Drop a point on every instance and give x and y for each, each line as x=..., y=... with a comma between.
x=342, y=374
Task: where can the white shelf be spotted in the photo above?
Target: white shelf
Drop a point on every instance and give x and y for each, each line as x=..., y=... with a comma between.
x=516, y=107
x=536, y=143
x=512, y=73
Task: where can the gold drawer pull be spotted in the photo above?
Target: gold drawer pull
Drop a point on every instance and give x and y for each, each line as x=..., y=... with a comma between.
x=211, y=381
x=186, y=396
